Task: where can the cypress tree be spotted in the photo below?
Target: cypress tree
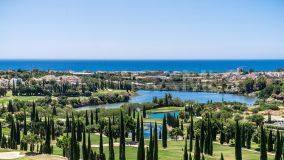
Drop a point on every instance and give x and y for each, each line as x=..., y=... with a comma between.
x=0, y=129
x=3, y=141
x=190, y=157
x=263, y=151
x=89, y=149
x=248, y=139
x=197, y=149
x=92, y=117
x=141, y=149
x=144, y=112
x=222, y=157
x=185, y=153
x=164, y=133
x=67, y=124
x=243, y=136
x=129, y=111
x=84, y=146
x=111, y=150
x=18, y=133
x=25, y=123
x=202, y=136
x=46, y=146
x=52, y=129
x=101, y=148
x=270, y=142
x=10, y=107
x=279, y=146
x=79, y=130
x=238, y=143
x=138, y=128
x=73, y=144
x=54, y=113
x=151, y=143
x=155, y=154
x=222, y=135
x=191, y=134
x=33, y=112
x=122, y=138
x=86, y=118
x=209, y=139
x=97, y=116
x=36, y=116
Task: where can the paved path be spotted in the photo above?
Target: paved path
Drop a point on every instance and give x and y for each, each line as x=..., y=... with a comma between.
x=10, y=155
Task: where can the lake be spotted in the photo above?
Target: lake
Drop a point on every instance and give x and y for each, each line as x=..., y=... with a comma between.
x=201, y=97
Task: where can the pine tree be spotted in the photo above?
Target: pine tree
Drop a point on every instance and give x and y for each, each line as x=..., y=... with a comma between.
x=279, y=146
x=141, y=149
x=122, y=138
x=111, y=150
x=197, y=149
x=185, y=153
x=164, y=133
x=238, y=142
x=155, y=154
x=263, y=151
x=270, y=142
x=243, y=136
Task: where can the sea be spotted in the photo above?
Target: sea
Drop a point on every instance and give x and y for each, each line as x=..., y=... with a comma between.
x=142, y=65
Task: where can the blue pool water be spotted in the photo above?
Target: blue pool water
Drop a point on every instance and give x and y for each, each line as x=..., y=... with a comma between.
x=161, y=115
x=147, y=129
x=143, y=65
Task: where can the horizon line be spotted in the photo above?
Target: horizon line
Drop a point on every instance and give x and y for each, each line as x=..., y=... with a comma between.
x=71, y=59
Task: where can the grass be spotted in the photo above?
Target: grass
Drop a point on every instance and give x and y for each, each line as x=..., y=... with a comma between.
x=165, y=109
x=174, y=151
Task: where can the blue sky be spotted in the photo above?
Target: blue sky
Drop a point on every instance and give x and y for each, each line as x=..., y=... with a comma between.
x=146, y=29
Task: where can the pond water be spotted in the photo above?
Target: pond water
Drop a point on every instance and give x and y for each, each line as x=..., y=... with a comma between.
x=201, y=97
x=147, y=129
x=160, y=115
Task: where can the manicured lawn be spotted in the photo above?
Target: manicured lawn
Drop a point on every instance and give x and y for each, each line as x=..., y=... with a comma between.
x=6, y=99
x=175, y=151
x=166, y=109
